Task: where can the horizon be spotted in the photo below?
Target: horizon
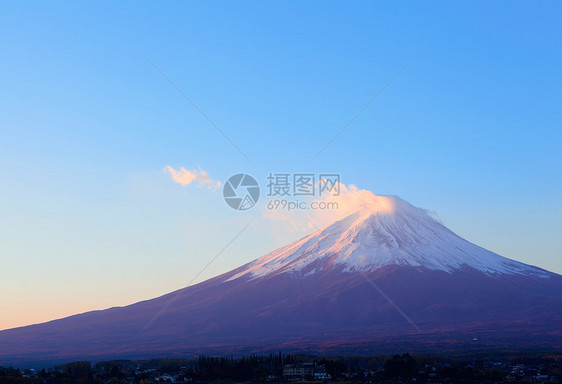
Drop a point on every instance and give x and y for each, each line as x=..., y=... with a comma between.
x=509, y=358
x=121, y=126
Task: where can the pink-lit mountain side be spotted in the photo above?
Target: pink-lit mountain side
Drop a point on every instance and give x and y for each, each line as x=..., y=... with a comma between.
x=388, y=231
x=384, y=278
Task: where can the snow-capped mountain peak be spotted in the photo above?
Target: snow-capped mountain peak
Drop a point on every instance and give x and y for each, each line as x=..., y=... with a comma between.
x=385, y=230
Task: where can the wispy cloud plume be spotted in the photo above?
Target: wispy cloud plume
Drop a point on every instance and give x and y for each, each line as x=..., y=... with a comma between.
x=185, y=177
x=329, y=207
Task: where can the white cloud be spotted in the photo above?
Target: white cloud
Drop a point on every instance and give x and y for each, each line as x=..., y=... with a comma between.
x=185, y=177
x=327, y=208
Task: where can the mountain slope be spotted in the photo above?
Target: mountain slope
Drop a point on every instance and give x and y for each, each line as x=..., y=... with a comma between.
x=389, y=231
x=383, y=278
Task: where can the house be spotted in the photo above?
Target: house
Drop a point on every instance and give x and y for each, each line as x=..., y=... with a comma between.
x=305, y=371
x=166, y=379
x=322, y=376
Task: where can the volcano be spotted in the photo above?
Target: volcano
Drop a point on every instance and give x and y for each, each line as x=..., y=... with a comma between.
x=385, y=278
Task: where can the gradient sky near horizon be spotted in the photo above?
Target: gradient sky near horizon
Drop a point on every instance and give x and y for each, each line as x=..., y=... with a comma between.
x=90, y=219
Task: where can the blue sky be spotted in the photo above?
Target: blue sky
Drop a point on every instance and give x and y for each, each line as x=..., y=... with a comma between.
x=88, y=218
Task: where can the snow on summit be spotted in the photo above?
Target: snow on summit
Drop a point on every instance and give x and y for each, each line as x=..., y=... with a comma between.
x=383, y=231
